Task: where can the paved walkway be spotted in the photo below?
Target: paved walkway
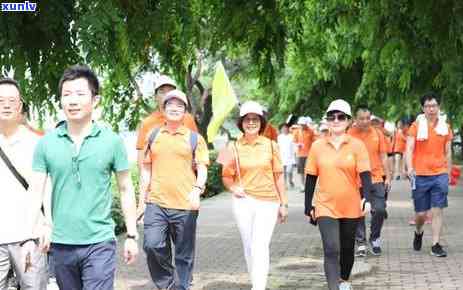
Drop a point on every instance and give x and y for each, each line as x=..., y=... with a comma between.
x=296, y=253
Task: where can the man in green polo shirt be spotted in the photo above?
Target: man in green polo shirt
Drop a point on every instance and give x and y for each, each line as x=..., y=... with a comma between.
x=80, y=157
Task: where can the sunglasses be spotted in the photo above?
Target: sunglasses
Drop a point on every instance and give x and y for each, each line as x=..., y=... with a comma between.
x=339, y=117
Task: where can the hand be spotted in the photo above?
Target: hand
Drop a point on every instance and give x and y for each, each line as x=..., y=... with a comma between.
x=26, y=252
x=130, y=251
x=365, y=206
x=311, y=216
x=282, y=214
x=410, y=172
x=387, y=184
x=238, y=192
x=194, y=198
x=44, y=234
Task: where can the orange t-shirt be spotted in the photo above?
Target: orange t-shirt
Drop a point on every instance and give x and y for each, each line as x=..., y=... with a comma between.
x=256, y=161
x=338, y=194
x=155, y=120
x=429, y=156
x=375, y=142
x=305, y=137
x=172, y=175
x=270, y=132
x=400, y=142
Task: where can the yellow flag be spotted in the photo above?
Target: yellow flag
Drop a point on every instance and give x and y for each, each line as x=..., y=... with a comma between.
x=223, y=101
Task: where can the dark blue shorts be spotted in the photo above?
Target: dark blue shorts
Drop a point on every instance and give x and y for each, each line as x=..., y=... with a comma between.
x=431, y=191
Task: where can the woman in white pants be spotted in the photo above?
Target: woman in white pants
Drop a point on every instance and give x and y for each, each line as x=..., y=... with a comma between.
x=254, y=175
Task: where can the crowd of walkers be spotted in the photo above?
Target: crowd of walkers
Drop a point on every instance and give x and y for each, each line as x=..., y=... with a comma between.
x=55, y=210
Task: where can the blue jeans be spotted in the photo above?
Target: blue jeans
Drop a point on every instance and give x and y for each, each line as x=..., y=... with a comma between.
x=161, y=226
x=431, y=191
x=85, y=267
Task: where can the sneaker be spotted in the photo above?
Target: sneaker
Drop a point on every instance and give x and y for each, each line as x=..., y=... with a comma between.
x=344, y=285
x=375, y=247
x=52, y=284
x=418, y=241
x=437, y=251
x=361, y=251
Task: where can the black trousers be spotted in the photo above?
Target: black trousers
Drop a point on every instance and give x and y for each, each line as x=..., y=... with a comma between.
x=338, y=237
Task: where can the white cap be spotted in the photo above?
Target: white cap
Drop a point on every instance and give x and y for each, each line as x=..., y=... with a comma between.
x=373, y=117
x=164, y=80
x=251, y=107
x=308, y=120
x=389, y=126
x=301, y=121
x=341, y=106
x=175, y=94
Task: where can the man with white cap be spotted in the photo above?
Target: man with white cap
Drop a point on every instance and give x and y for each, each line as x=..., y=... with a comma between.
x=156, y=119
x=304, y=140
x=174, y=174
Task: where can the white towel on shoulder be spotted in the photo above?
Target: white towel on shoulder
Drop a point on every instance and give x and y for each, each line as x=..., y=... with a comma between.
x=441, y=128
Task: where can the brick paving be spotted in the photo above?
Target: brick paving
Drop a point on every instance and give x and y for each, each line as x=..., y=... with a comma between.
x=296, y=253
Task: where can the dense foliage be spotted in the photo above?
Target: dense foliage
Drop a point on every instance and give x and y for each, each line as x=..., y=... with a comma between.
x=296, y=55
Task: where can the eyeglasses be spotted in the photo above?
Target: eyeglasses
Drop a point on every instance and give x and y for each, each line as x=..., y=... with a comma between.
x=339, y=117
x=253, y=120
x=431, y=106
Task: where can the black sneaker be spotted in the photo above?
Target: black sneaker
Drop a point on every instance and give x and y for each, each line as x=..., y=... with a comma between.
x=437, y=251
x=418, y=241
x=375, y=247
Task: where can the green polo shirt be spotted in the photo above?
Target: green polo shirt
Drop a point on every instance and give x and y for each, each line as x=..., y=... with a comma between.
x=81, y=183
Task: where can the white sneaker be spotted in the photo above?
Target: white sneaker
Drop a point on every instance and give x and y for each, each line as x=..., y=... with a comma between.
x=52, y=285
x=361, y=251
x=345, y=286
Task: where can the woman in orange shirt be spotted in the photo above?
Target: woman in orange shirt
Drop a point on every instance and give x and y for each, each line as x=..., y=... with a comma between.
x=255, y=179
x=336, y=162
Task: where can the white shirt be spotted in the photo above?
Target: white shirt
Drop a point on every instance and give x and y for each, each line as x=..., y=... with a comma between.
x=287, y=149
x=15, y=224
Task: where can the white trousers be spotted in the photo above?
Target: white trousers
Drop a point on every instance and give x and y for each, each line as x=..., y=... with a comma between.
x=256, y=220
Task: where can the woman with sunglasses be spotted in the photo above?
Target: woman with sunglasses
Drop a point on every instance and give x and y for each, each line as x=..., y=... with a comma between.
x=255, y=178
x=336, y=162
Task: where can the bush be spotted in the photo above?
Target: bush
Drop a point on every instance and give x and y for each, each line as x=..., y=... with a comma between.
x=214, y=186
x=214, y=183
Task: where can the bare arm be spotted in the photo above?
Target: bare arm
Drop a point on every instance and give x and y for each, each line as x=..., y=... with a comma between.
x=409, y=154
x=448, y=153
x=39, y=196
x=280, y=184
x=228, y=182
x=387, y=170
x=128, y=203
x=202, y=175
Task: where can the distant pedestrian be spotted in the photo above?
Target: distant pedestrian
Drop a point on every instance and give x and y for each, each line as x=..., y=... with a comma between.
x=288, y=153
